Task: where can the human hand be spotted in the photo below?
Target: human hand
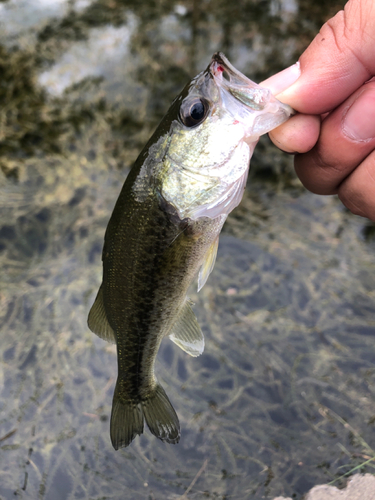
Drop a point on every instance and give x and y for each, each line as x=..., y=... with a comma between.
x=334, y=136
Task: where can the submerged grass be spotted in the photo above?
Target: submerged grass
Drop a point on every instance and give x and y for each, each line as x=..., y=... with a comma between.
x=358, y=468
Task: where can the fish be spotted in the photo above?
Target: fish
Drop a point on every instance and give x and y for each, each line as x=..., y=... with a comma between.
x=164, y=232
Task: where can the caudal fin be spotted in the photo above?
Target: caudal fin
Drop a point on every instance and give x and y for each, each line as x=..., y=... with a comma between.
x=127, y=418
x=126, y=423
x=161, y=418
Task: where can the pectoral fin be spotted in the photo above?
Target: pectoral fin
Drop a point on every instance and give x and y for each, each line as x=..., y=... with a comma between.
x=98, y=322
x=208, y=263
x=186, y=332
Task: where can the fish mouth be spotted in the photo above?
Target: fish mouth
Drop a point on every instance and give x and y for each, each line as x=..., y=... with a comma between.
x=250, y=94
x=220, y=66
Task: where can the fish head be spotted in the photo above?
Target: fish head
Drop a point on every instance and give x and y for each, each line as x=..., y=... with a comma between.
x=221, y=100
x=221, y=92
x=216, y=122
x=252, y=106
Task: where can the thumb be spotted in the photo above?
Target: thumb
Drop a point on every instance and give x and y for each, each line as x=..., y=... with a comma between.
x=337, y=62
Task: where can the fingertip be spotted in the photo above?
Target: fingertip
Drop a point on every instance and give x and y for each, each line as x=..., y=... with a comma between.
x=298, y=135
x=282, y=80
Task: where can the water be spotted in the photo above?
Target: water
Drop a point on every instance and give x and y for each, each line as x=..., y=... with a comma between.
x=283, y=396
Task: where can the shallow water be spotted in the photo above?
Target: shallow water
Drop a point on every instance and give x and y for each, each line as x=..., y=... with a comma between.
x=284, y=395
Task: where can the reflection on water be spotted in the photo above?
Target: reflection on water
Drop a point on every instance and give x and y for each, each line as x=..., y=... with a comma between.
x=283, y=397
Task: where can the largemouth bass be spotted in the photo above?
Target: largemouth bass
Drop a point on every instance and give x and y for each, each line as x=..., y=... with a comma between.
x=164, y=230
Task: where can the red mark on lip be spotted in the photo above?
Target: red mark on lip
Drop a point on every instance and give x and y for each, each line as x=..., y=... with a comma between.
x=236, y=122
x=220, y=68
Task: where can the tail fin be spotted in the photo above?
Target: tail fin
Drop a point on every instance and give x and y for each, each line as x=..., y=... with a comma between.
x=127, y=418
x=126, y=422
x=161, y=417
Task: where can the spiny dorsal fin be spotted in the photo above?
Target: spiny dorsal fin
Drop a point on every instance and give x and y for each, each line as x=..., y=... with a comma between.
x=208, y=263
x=98, y=322
x=186, y=332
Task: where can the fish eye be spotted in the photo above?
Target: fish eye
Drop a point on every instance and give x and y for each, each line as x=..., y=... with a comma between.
x=194, y=111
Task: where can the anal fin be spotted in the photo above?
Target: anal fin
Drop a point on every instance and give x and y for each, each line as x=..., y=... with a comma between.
x=208, y=263
x=186, y=332
x=98, y=322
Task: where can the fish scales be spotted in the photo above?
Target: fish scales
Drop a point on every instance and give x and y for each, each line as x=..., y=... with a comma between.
x=146, y=264
x=164, y=231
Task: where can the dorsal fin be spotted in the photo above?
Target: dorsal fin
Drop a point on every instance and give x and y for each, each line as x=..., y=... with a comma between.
x=98, y=322
x=208, y=263
x=186, y=332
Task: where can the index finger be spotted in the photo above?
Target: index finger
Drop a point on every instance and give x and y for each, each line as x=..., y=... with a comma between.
x=337, y=62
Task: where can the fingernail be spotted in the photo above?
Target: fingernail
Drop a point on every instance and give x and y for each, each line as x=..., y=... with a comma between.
x=281, y=81
x=359, y=122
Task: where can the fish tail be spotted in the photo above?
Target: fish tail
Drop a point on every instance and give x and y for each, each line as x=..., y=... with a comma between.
x=161, y=417
x=126, y=421
x=127, y=418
